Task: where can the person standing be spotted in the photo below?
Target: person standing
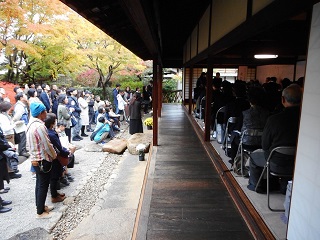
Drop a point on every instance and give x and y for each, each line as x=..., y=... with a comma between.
x=90, y=100
x=21, y=113
x=121, y=104
x=84, y=115
x=44, y=97
x=57, y=168
x=135, y=114
x=115, y=93
x=4, y=145
x=146, y=99
x=42, y=154
x=74, y=105
x=7, y=126
x=32, y=93
x=64, y=114
x=149, y=90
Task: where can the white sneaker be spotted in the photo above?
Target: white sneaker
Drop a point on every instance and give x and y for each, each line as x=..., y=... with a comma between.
x=44, y=215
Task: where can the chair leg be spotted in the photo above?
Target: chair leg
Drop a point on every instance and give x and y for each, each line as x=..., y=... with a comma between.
x=261, y=176
x=268, y=194
x=241, y=152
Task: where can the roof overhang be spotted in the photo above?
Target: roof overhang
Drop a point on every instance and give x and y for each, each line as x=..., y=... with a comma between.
x=158, y=29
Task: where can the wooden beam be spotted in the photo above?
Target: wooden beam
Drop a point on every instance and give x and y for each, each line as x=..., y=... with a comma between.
x=135, y=12
x=159, y=100
x=190, y=89
x=155, y=92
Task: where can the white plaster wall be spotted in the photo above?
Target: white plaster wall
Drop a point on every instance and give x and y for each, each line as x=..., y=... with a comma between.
x=300, y=69
x=278, y=71
x=304, y=218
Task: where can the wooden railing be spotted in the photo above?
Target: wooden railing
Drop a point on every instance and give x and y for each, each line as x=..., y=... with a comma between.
x=172, y=97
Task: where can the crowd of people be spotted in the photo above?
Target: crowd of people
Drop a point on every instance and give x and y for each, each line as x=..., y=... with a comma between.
x=272, y=108
x=43, y=123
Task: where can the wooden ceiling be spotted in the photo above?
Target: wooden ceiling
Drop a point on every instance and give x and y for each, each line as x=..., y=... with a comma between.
x=159, y=29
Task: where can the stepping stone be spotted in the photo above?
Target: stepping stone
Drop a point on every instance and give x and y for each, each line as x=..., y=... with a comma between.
x=116, y=146
x=139, y=138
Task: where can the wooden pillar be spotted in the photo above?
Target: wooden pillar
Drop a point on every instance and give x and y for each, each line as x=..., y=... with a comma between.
x=155, y=92
x=160, y=78
x=208, y=102
x=190, y=90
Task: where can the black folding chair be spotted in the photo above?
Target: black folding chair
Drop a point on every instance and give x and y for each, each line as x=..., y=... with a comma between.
x=285, y=150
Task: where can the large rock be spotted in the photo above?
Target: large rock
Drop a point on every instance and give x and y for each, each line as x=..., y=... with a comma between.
x=136, y=139
x=116, y=146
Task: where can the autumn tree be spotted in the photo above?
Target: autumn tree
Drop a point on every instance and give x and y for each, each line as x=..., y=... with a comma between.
x=103, y=54
x=23, y=24
x=43, y=38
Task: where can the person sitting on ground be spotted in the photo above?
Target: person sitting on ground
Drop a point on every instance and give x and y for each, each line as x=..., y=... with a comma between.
x=112, y=117
x=102, y=112
x=102, y=130
x=281, y=130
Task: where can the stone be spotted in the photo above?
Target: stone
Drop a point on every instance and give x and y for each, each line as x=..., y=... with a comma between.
x=92, y=147
x=136, y=139
x=116, y=146
x=35, y=233
x=68, y=200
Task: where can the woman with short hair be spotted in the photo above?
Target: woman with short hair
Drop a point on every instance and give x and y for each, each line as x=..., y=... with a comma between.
x=64, y=116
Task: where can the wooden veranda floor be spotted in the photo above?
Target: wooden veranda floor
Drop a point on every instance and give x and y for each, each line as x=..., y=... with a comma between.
x=185, y=197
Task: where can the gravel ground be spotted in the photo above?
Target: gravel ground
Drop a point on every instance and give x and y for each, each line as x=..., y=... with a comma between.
x=79, y=207
x=91, y=174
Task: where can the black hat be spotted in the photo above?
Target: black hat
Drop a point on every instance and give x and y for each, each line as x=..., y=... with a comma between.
x=71, y=90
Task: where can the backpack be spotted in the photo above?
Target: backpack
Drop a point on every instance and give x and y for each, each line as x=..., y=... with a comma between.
x=245, y=164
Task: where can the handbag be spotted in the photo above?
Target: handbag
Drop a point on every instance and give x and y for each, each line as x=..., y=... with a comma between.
x=74, y=121
x=64, y=161
x=71, y=161
x=17, y=138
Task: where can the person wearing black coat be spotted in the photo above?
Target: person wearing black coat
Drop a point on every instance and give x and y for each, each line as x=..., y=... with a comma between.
x=4, y=175
x=281, y=130
x=135, y=114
